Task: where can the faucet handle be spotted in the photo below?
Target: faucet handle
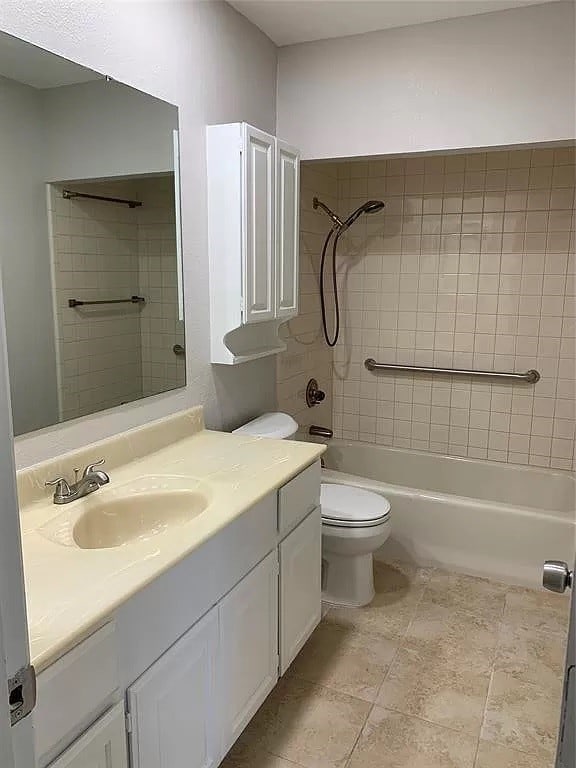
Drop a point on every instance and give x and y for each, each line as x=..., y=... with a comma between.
x=90, y=468
x=62, y=487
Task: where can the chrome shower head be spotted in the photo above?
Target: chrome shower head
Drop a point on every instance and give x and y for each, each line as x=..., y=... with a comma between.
x=371, y=206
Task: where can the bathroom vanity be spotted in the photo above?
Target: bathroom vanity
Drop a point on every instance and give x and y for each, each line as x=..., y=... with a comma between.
x=175, y=635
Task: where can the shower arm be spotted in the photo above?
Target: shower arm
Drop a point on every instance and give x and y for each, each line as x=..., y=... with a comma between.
x=336, y=220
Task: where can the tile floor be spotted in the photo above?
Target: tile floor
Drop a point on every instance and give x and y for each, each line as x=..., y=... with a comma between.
x=440, y=671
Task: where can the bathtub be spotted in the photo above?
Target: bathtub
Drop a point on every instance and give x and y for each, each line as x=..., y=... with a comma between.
x=479, y=517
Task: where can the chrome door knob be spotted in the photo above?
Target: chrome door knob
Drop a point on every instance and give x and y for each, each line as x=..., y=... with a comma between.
x=557, y=576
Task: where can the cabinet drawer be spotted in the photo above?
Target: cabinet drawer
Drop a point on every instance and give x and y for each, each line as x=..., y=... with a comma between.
x=103, y=745
x=298, y=498
x=74, y=690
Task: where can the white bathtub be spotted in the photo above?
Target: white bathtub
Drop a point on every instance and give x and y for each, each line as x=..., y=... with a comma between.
x=479, y=517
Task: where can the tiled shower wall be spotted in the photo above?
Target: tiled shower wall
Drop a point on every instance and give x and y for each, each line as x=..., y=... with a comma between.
x=471, y=266
x=116, y=353
x=307, y=356
x=95, y=257
x=160, y=327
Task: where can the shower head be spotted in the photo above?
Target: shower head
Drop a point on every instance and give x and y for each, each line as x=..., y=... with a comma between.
x=371, y=206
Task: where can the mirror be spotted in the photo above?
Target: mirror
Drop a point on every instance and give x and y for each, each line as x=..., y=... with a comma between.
x=89, y=239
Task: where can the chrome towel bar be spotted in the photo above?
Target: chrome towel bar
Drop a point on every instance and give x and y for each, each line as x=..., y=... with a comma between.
x=530, y=377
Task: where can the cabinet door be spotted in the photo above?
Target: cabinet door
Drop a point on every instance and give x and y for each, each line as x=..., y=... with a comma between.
x=300, y=587
x=287, y=229
x=248, y=666
x=102, y=746
x=172, y=706
x=259, y=213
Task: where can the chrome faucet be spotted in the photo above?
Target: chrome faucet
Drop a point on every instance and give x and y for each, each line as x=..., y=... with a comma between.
x=90, y=481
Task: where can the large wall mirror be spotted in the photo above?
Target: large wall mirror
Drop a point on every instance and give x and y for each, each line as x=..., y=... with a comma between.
x=89, y=239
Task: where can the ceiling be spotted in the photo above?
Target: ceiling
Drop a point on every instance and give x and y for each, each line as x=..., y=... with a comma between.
x=298, y=21
x=34, y=66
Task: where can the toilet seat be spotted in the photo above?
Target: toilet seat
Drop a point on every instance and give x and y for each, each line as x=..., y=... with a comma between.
x=345, y=506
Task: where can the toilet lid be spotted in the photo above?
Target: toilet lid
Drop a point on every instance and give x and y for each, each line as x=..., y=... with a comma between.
x=349, y=506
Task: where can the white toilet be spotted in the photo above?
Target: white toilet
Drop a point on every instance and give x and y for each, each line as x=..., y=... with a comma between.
x=355, y=523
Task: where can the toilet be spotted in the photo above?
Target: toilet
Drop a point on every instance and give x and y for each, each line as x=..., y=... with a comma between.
x=355, y=523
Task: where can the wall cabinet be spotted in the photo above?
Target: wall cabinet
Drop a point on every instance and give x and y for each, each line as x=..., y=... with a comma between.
x=300, y=587
x=102, y=746
x=253, y=232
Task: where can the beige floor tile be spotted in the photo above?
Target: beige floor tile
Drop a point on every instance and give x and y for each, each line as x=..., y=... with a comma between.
x=244, y=756
x=310, y=725
x=457, y=639
x=495, y=756
x=400, y=578
x=531, y=655
x=421, y=684
x=537, y=609
x=480, y=597
x=522, y=716
x=345, y=660
x=399, y=589
x=394, y=740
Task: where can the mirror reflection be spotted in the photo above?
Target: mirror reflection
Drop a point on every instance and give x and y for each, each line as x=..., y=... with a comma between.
x=89, y=240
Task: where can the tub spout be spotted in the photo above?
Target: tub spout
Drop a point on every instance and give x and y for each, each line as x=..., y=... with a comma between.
x=324, y=432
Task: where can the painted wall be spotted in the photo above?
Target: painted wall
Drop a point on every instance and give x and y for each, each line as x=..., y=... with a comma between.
x=496, y=79
x=25, y=259
x=220, y=68
x=99, y=129
x=472, y=265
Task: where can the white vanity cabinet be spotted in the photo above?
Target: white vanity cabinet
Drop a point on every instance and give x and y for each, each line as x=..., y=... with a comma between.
x=300, y=586
x=102, y=746
x=173, y=706
x=196, y=651
x=253, y=234
x=193, y=703
x=248, y=664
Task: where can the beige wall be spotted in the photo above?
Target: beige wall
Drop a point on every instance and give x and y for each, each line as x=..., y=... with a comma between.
x=220, y=69
x=495, y=79
x=307, y=355
x=471, y=266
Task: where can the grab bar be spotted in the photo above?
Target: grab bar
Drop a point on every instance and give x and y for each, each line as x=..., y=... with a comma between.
x=132, y=300
x=530, y=377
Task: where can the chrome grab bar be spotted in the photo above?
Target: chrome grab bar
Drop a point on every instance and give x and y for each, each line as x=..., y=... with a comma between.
x=530, y=377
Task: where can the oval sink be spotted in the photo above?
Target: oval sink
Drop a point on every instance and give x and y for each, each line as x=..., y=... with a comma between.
x=124, y=519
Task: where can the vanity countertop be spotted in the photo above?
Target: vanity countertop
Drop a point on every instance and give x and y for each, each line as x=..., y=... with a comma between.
x=71, y=591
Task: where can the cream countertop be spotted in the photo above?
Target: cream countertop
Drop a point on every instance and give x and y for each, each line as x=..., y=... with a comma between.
x=71, y=591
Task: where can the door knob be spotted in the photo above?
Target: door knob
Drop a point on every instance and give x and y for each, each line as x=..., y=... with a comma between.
x=557, y=576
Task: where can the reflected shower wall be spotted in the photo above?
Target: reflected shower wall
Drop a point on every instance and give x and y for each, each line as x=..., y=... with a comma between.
x=109, y=354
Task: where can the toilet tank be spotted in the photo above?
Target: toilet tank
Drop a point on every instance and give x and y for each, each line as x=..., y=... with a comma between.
x=279, y=426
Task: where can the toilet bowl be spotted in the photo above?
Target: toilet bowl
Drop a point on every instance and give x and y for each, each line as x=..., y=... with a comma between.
x=355, y=523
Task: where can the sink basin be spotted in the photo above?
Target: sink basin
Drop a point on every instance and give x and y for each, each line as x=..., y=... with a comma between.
x=125, y=519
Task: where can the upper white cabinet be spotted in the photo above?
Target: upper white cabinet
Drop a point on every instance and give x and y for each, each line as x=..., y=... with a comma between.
x=259, y=248
x=287, y=229
x=253, y=203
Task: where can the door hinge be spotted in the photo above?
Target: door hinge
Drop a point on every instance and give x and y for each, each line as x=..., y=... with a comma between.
x=129, y=724
x=22, y=693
